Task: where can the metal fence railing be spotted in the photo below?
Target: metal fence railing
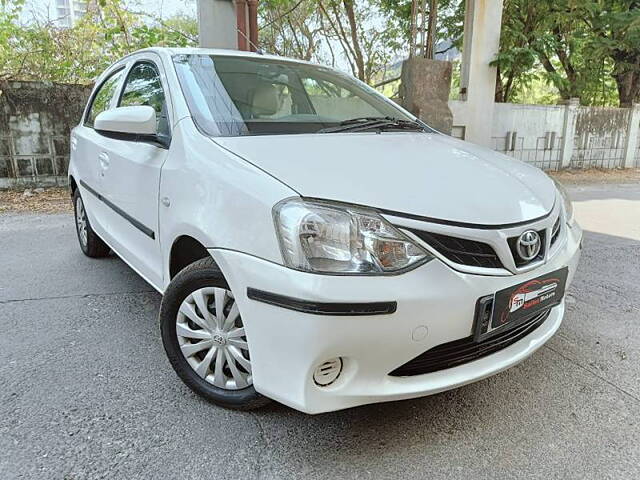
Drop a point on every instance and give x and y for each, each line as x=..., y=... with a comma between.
x=598, y=151
x=542, y=152
x=31, y=167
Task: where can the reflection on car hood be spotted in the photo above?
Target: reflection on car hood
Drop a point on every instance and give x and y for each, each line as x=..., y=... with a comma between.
x=430, y=175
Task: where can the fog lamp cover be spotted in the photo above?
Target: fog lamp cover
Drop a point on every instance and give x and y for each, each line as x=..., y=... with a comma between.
x=328, y=372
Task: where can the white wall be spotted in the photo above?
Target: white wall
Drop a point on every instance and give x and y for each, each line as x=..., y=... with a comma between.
x=602, y=137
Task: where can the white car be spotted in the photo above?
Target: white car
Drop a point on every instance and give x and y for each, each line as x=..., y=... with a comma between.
x=314, y=243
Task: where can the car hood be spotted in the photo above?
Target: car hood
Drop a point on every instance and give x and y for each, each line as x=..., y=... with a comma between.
x=430, y=175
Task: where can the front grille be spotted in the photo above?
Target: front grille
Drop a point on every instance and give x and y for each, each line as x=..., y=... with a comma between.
x=461, y=250
x=459, y=352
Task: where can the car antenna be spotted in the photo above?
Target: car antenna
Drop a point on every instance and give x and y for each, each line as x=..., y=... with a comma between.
x=258, y=50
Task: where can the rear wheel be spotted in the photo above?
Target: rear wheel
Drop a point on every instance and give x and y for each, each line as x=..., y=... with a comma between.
x=204, y=337
x=90, y=243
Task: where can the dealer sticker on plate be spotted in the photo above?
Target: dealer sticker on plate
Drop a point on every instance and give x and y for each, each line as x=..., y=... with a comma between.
x=512, y=306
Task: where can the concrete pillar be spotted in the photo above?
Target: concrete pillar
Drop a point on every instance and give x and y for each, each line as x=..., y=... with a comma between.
x=482, y=25
x=569, y=132
x=632, y=136
x=217, y=24
x=425, y=91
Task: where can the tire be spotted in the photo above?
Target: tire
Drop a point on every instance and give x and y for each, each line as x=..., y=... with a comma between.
x=91, y=245
x=201, y=283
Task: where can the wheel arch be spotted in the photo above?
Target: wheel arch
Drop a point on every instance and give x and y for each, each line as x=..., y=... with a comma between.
x=73, y=186
x=185, y=250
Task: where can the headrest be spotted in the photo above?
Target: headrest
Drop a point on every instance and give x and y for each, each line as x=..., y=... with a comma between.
x=265, y=100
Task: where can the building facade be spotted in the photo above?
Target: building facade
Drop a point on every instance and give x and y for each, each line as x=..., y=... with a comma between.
x=68, y=12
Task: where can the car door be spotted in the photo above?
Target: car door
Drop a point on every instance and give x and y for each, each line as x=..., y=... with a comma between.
x=87, y=145
x=131, y=175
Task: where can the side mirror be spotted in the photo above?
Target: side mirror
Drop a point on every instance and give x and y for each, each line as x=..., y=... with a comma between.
x=135, y=121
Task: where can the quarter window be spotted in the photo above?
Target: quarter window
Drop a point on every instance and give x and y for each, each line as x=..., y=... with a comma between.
x=143, y=87
x=102, y=100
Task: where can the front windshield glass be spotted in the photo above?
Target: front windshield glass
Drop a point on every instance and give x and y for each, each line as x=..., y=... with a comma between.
x=231, y=96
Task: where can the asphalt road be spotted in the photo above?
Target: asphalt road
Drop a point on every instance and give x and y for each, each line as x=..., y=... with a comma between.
x=86, y=391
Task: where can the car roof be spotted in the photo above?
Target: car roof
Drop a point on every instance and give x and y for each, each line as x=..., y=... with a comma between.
x=171, y=51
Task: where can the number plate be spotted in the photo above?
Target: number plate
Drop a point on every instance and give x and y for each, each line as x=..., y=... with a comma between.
x=512, y=306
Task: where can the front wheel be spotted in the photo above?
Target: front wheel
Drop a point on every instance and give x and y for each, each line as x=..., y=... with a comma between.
x=204, y=337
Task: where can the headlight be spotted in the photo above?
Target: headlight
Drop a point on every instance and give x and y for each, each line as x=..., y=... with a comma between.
x=329, y=238
x=568, y=206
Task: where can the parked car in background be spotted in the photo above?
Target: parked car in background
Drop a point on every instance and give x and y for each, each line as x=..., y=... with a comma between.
x=314, y=243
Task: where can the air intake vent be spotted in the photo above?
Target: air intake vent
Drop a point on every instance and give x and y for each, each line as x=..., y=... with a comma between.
x=459, y=352
x=461, y=250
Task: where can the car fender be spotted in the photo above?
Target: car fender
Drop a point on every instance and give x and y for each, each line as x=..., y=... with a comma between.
x=216, y=197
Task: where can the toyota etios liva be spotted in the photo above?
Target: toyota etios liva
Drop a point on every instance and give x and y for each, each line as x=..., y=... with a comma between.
x=314, y=243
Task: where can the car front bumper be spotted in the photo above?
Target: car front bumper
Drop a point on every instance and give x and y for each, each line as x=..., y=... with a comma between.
x=287, y=346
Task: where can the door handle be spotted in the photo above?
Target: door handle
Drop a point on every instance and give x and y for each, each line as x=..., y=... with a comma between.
x=74, y=143
x=104, y=160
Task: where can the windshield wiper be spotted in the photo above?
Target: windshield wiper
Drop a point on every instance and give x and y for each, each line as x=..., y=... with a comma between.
x=371, y=123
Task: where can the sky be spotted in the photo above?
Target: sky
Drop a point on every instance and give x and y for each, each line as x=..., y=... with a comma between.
x=44, y=10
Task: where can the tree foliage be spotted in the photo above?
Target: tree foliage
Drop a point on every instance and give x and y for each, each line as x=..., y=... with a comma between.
x=615, y=28
x=450, y=23
x=580, y=47
x=44, y=51
x=358, y=33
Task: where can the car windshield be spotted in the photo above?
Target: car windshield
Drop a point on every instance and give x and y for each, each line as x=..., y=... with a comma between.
x=233, y=95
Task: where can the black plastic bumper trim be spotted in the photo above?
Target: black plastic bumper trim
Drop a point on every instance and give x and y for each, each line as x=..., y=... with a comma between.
x=143, y=228
x=320, y=308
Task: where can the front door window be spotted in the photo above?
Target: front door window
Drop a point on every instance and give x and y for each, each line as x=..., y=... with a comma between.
x=143, y=87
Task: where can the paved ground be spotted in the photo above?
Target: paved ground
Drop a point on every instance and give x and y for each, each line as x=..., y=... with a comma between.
x=86, y=391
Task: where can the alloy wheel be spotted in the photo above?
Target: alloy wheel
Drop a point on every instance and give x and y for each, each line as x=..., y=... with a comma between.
x=212, y=339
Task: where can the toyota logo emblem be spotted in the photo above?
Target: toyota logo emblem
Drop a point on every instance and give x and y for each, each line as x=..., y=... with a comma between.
x=528, y=245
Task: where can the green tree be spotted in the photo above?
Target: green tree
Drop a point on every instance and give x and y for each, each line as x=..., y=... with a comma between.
x=43, y=51
x=578, y=46
x=615, y=37
x=540, y=32
x=449, y=27
x=357, y=32
x=291, y=28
